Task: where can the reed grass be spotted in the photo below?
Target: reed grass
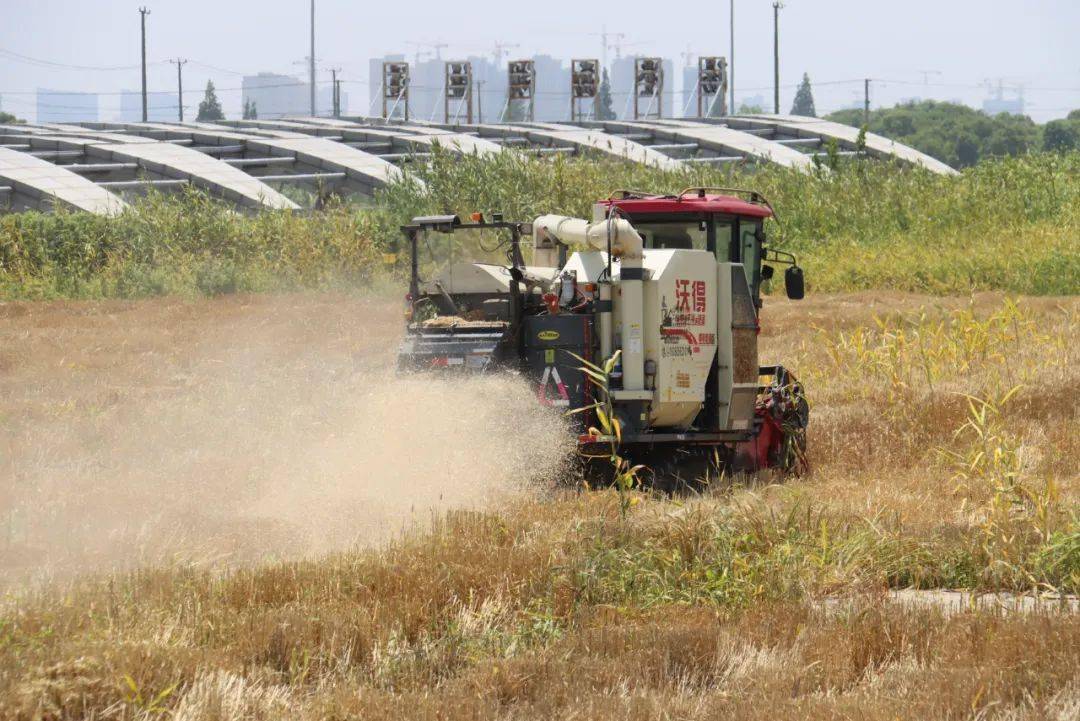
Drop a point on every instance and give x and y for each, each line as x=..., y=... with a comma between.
x=1009, y=224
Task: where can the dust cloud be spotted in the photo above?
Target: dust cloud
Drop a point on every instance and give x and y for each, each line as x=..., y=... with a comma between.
x=272, y=435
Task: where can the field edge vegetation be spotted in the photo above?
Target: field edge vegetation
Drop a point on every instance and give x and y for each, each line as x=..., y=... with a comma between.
x=1009, y=224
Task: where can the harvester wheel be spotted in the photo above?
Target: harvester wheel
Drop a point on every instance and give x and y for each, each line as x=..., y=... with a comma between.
x=792, y=450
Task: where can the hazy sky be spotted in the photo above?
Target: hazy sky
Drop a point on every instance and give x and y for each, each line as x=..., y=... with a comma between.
x=959, y=43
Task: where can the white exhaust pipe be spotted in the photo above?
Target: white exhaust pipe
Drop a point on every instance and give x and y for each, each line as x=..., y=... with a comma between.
x=625, y=241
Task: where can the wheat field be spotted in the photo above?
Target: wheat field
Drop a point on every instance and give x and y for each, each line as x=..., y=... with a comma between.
x=227, y=509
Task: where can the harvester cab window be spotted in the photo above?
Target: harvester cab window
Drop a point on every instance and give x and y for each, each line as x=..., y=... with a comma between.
x=674, y=236
x=749, y=252
x=723, y=230
x=438, y=252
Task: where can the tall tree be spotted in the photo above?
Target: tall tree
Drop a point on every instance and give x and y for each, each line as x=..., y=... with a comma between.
x=1061, y=135
x=954, y=134
x=210, y=107
x=250, y=111
x=804, y=99
x=604, y=109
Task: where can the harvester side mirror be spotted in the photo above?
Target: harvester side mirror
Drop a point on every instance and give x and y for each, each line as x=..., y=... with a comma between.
x=767, y=272
x=793, y=283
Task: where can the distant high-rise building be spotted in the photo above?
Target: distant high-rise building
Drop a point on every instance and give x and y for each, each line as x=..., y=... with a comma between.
x=57, y=106
x=997, y=102
x=552, y=101
x=1012, y=106
x=278, y=96
x=552, y=89
x=688, y=98
x=160, y=107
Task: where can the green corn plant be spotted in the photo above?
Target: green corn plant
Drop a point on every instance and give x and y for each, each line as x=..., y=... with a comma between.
x=626, y=476
x=992, y=458
x=146, y=703
x=1017, y=512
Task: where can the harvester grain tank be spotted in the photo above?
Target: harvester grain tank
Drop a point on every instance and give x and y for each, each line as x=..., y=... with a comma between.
x=667, y=285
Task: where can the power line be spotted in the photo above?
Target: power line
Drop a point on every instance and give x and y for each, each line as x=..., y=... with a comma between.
x=215, y=68
x=978, y=86
x=109, y=93
x=816, y=84
x=14, y=95
x=12, y=55
x=29, y=103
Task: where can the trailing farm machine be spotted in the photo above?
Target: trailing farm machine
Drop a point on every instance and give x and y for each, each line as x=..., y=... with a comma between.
x=646, y=317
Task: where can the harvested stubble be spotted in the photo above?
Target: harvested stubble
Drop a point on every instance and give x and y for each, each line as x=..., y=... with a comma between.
x=691, y=608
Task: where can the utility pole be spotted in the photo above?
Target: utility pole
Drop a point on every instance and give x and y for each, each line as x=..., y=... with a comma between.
x=866, y=102
x=180, y=63
x=731, y=63
x=480, y=100
x=776, y=55
x=311, y=59
x=143, y=12
x=335, y=102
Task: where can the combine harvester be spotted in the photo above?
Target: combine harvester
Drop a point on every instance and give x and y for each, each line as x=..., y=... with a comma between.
x=664, y=291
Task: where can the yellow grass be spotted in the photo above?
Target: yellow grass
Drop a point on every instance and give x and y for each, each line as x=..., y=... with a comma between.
x=943, y=452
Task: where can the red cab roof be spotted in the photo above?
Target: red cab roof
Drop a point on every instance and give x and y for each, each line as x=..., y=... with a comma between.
x=690, y=203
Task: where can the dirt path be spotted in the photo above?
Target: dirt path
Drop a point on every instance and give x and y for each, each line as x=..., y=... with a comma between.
x=951, y=601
